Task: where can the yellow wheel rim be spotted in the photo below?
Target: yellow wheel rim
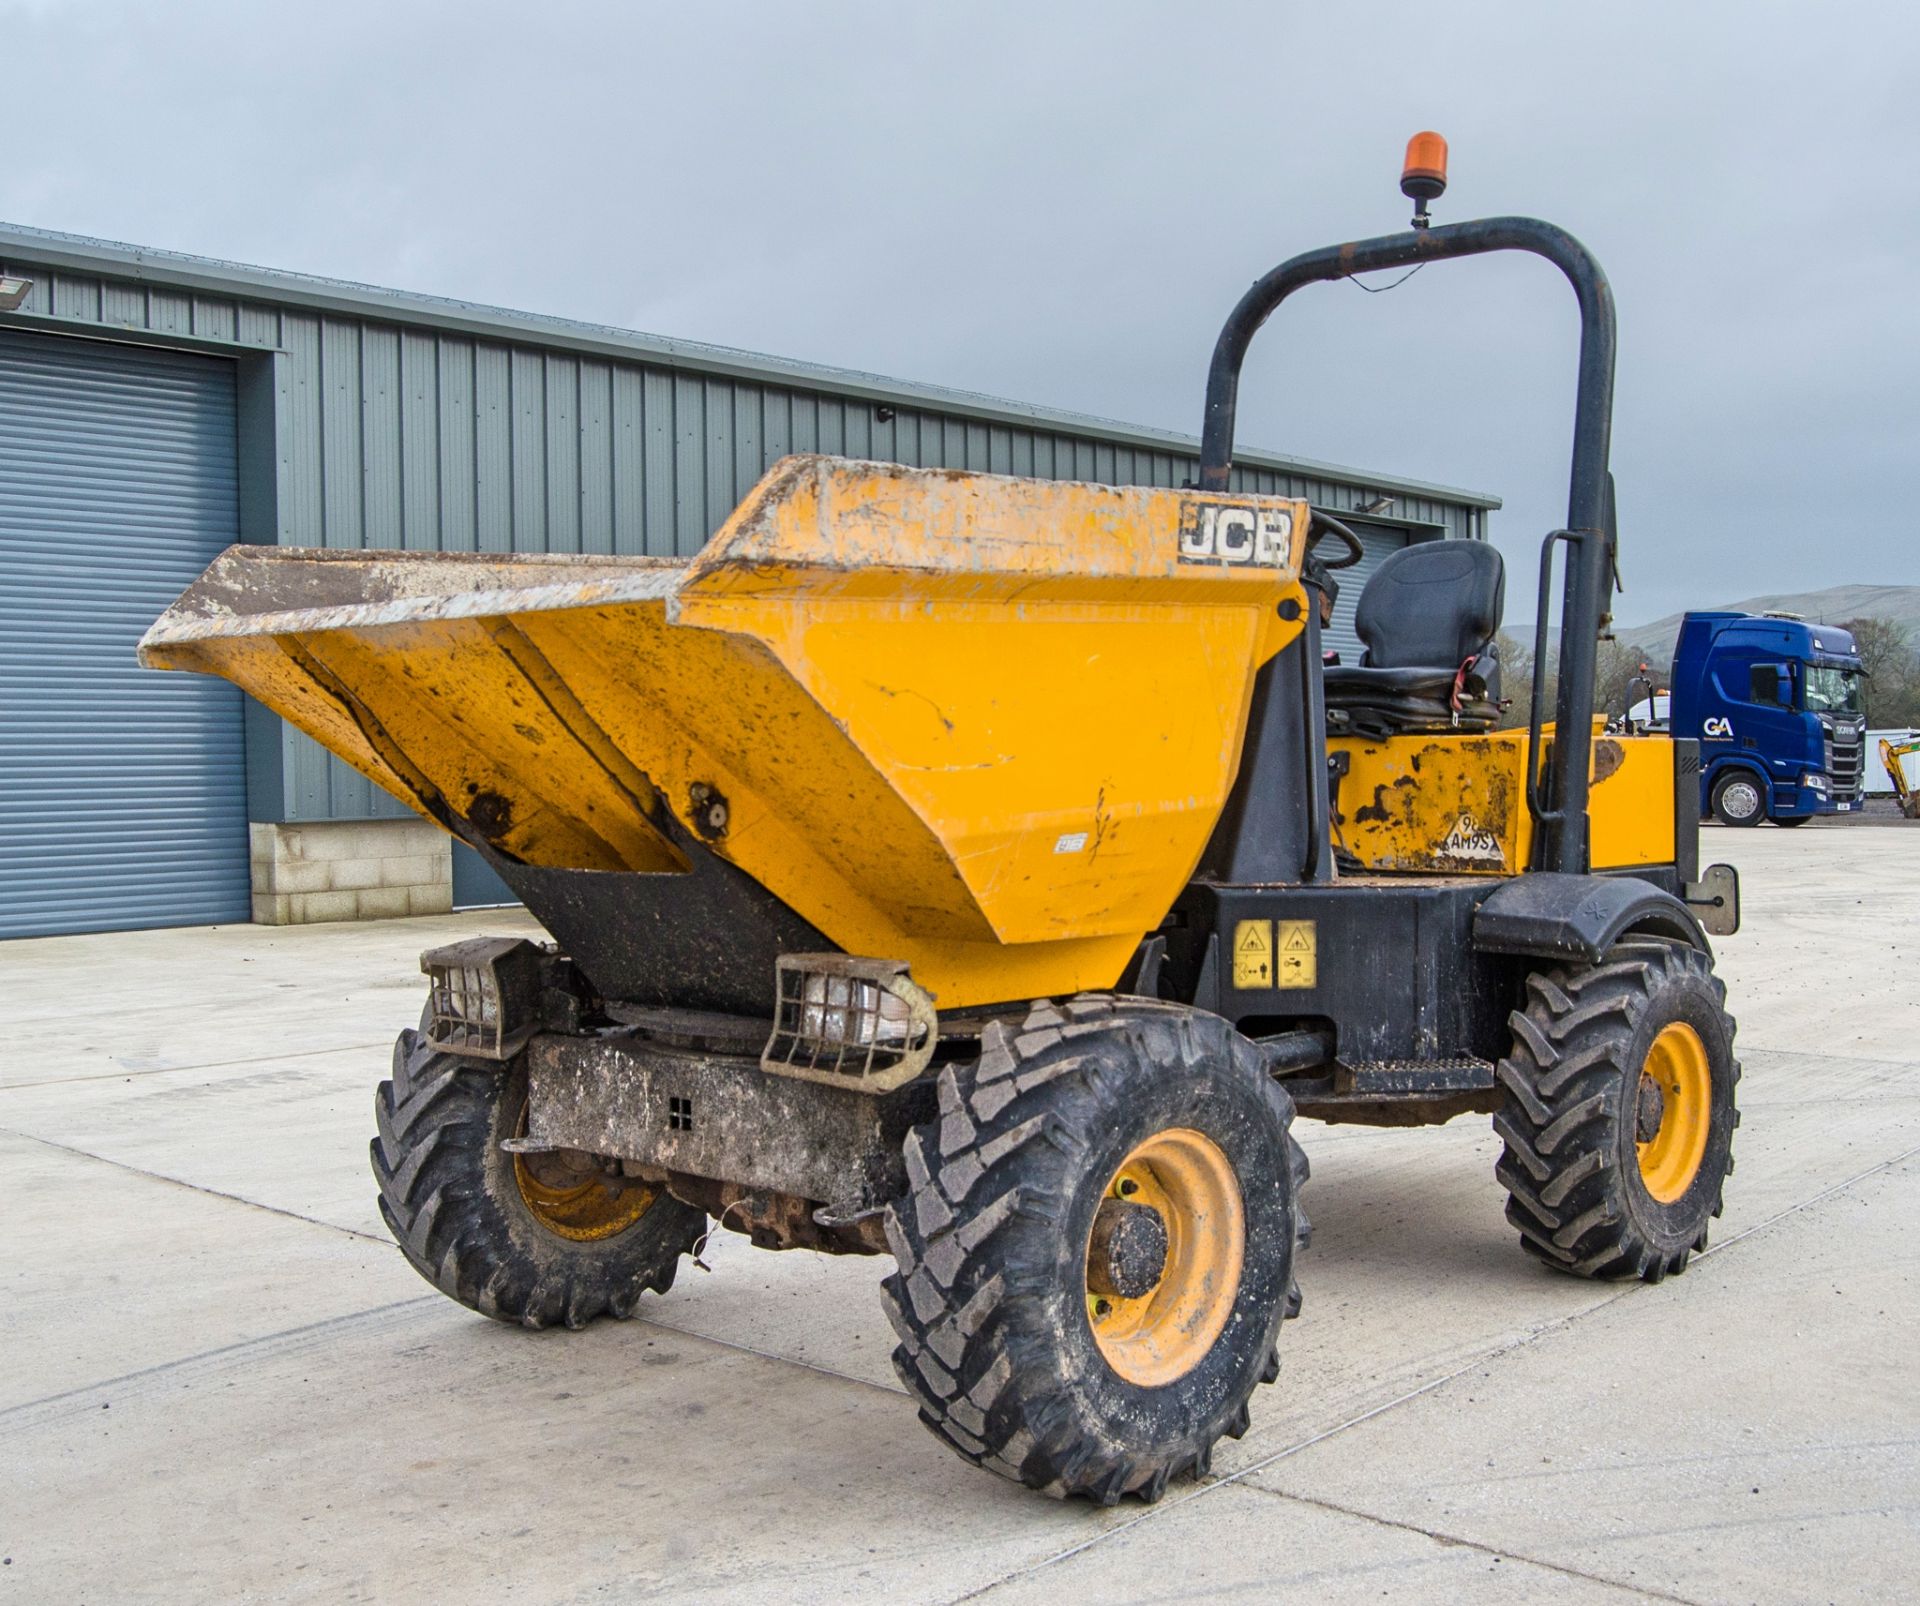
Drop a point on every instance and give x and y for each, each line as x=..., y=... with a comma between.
x=1166, y=1332
x=1677, y=1066
x=578, y=1202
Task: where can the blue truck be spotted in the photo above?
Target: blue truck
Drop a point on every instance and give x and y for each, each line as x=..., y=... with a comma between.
x=1777, y=707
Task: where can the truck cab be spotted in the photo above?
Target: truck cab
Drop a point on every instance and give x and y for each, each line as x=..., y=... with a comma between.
x=1776, y=704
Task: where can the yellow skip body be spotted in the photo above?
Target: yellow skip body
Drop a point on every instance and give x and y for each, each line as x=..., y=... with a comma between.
x=980, y=724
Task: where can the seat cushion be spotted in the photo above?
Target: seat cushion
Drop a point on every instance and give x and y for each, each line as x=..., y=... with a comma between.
x=1382, y=702
x=1348, y=684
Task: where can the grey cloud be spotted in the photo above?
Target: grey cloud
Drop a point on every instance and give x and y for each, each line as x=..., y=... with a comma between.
x=1058, y=203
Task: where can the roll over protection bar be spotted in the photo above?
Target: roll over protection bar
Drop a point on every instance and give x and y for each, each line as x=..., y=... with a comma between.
x=1562, y=840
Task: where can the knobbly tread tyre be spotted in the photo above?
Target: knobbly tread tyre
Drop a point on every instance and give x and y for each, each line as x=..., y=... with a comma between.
x=450, y=1198
x=1570, y=1166
x=988, y=1296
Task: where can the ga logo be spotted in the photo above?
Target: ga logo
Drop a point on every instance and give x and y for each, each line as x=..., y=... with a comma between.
x=1718, y=728
x=1212, y=533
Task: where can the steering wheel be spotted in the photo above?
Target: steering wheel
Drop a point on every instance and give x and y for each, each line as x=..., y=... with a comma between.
x=1322, y=525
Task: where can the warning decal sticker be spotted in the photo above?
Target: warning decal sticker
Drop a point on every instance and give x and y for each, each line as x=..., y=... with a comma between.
x=1299, y=951
x=1253, y=954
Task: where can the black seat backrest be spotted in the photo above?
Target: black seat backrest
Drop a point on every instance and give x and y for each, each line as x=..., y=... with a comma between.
x=1432, y=605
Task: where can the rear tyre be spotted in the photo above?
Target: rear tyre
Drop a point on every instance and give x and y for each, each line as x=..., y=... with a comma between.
x=1619, y=1111
x=533, y=1239
x=1096, y=1251
x=1739, y=798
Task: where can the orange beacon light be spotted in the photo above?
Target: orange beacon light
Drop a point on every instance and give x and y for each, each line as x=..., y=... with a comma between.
x=1423, y=176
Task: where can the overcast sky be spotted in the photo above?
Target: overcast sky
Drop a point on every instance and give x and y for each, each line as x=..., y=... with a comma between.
x=1059, y=203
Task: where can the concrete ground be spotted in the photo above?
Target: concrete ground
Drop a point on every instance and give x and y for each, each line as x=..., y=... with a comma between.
x=219, y=1381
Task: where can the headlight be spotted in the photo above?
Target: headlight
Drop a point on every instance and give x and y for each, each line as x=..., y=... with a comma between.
x=846, y=1009
x=1815, y=783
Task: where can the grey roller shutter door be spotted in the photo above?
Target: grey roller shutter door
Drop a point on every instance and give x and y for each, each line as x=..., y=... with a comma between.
x=122, y=790
x=1381, y=542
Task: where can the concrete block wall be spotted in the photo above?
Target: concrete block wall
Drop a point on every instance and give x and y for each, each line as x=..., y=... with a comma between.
x=349, y=870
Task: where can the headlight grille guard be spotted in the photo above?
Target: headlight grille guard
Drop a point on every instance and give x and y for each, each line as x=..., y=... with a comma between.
x=483, y=996
x=849, y=1022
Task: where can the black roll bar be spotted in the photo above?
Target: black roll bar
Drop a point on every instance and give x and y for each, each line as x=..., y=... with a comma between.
x=1561, y=815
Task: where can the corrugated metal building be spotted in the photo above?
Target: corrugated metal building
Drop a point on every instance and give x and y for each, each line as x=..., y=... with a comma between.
x=155, y=407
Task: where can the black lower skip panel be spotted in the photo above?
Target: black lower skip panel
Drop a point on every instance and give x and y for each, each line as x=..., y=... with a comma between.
x=703, y=939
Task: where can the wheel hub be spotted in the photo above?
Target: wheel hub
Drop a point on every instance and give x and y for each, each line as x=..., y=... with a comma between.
x=1128, y=1251
x=1653, y=1108
x=1680, y=1078
x=1171, y=1225
x=570, y=1196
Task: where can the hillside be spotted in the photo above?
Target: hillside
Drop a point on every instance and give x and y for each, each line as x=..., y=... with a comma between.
x=1898, y=603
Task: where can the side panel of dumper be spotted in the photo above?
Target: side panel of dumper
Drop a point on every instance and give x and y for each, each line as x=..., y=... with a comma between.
x=1457, y=803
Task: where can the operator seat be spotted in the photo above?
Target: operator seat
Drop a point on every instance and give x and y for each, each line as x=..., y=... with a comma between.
x=1428, y=618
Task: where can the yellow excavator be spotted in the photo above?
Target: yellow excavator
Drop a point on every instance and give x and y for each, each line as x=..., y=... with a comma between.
x=983, y=871
x=1895, y=755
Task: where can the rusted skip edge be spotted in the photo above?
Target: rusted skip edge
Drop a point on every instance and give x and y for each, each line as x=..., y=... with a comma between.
x=181, y=625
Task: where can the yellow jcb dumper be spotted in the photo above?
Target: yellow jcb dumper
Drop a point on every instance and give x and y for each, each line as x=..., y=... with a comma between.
x=983, y=871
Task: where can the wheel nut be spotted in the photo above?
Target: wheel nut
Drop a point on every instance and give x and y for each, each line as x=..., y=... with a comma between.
x=1128, y=1187
x=1102, y=1307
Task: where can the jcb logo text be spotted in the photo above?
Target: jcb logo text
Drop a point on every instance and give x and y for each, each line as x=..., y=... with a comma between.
x=1213, y=533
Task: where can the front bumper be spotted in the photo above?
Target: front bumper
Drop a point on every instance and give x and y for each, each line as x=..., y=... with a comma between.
x=674, y=1109
x=1813, y=795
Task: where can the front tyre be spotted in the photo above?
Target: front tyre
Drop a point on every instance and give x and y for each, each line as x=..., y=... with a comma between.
x=1097, y=1249
x=1618, y=1112
x=1739, y=798
x=534, y=1239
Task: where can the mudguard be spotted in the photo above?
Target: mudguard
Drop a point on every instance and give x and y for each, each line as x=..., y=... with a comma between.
x=1558, y=916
